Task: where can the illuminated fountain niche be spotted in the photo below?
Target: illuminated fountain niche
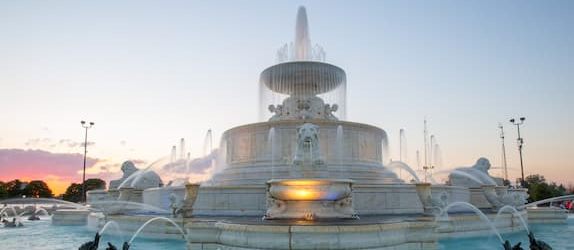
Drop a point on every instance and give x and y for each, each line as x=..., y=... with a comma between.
x=302, y=85
x=310, y=199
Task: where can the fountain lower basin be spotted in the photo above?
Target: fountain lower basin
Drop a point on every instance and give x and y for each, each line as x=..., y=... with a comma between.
x=310, y=199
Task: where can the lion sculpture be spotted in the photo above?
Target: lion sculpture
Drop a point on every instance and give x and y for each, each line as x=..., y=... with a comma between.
x=307, y=145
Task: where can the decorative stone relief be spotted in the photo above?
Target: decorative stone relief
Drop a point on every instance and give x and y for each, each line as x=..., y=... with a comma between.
x=303, y=108
x=128, y=168
x=307, y=147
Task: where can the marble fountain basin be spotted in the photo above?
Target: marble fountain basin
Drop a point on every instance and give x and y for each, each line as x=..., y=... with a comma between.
x=310, y=199
x=310, y=189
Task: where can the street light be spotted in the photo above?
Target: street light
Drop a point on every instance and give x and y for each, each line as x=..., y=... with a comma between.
x=86, y=126
x=520, y=142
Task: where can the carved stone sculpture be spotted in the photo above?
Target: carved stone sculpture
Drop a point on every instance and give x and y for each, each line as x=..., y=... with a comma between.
x=135, y=178
x=128, y=168
x=479, y=173
x=303, y=108
x=174, y=205
x=307, y=146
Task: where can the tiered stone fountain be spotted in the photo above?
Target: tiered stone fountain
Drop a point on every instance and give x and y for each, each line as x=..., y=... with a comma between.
x=306, y=179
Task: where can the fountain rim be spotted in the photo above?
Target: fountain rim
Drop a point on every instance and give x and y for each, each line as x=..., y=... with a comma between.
x=297, y=122
x=308, y=181
x=269, y=73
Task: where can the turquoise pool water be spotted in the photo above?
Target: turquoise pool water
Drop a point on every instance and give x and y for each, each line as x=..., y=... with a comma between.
x=558, y=236
x=41, y=235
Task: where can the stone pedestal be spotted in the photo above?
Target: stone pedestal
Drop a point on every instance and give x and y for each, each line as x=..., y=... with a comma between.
x=191, y=191
x=94, y=196
x=310, y=199
x=70, y=217
x=130, y=194
x=424, y=193
x=546, y=215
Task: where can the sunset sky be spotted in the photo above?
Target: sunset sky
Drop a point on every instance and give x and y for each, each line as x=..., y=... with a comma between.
x=151, y=72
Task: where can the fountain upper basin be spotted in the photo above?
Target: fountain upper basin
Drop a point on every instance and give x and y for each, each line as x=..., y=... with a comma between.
x=303, y=77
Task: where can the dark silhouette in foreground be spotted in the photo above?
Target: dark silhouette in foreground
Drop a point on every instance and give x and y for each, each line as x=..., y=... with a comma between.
x=125, y=246
x=33, y=217
x=534, y=244
x=507, y=246
x=537, y=244
x=12, y=223
x=91, y=245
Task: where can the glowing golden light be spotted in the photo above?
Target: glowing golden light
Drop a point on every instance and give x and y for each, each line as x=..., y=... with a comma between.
x=302, y=194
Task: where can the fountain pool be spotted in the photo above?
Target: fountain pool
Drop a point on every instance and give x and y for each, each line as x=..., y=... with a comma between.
x=38, y=235
x=42, y=235
x=559, y=236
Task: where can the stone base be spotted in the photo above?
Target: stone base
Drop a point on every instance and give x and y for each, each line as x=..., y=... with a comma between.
x=400, y=235
x=370, y=232
x=129, y=224
x=478, y=199
x=94, y=196
x=470, y=225
x=69, y=217
x=547, y=215
x=159, y=197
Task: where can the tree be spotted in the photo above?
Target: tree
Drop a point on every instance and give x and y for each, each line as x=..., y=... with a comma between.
x=37, y=189
x=74, y=191
x=539, y=189
x=15, y=188
x=3, y=191
x=94, y=184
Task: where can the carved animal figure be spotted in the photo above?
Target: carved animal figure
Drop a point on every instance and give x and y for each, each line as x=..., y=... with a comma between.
x=12, y=223
x=307, y=144
x=507, y=246
x=33, y=217
x=537, y=244
x=91, y=245
x=125, y=246
x=479, y=171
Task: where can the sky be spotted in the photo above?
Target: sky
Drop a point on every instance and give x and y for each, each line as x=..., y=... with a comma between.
x=151, y=72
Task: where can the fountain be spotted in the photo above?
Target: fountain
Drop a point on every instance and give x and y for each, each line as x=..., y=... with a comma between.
x=317, y=180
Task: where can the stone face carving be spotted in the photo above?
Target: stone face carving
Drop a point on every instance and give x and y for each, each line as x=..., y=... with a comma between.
x=128, y=168
x=308, y=145
x=479, y=172
x=303, y=108
x=329, y=109
x=441, y=202
x=174, y=204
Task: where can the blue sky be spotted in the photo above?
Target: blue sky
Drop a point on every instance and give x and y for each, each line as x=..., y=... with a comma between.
x=151, y=72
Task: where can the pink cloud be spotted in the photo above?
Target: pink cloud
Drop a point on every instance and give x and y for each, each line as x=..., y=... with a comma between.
x=37, y=164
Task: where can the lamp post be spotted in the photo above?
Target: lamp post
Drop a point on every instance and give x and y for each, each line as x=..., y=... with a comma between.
x=520, y=142
x=86, y=126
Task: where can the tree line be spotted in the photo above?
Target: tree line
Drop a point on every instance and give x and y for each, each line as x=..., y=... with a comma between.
x=39, y=189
